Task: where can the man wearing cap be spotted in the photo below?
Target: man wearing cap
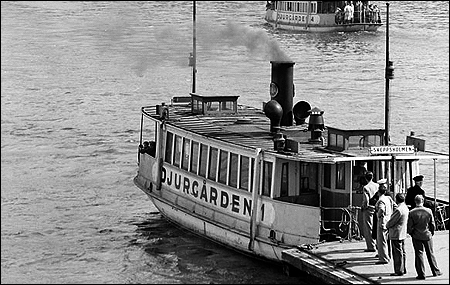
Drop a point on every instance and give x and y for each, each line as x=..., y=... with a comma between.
x=383, y=209
x=368, y=209
x=413, y=191
x=421, y=228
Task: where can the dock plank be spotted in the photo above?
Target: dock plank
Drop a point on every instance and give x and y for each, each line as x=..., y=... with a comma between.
x=357, y=266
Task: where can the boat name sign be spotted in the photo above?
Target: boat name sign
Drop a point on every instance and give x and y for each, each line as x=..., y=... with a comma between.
x=299, y=19
x=221, y=198
x=391, y=149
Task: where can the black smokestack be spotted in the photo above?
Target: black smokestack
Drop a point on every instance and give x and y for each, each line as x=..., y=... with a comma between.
x=282, y=88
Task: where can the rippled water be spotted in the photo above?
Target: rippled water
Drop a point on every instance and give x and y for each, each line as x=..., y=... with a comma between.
x=75, y=74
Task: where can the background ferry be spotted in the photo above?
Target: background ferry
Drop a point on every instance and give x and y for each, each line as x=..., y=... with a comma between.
x=323, y=16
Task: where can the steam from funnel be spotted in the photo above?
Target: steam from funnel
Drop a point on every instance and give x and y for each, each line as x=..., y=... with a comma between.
x=255, y=40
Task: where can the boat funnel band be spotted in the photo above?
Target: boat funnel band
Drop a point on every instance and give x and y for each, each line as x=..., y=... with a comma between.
x=282, y=88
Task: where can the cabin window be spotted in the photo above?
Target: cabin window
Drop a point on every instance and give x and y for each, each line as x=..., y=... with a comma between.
x=223, y=163
x=340, y=176
x=194, y=157
x=169, y=142
x=332, y=139
x=243, y=183
x=177, y=148
x=234, y=163
x=186, y=154
x=372, y=141
x=308, y=177
x=327, y=176
x=336, y=141
x=267, y=178
x=212, y=106
x=340, y=141
x=355, y=141
x=203, y=160
x=197, y=107
x=227, y=105
x=252, y=171
x=213, y=157
x=314, y=8
x=284, y=190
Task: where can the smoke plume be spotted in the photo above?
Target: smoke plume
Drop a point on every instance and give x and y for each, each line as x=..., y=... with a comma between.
x=256, y=41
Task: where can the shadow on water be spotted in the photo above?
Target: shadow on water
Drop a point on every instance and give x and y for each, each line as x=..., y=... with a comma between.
x=191, y=255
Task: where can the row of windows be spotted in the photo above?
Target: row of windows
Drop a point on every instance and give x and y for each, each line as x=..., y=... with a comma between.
x=216, y=164
x=301, y=7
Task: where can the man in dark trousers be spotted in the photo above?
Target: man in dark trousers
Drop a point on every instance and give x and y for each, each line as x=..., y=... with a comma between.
x=397, y=234
x=413, y=191
x=421, y=228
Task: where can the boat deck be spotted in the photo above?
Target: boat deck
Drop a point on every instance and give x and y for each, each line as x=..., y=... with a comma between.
x=250, y=128
x=347, y=263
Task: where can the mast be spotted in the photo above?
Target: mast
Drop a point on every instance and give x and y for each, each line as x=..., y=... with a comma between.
x=194, y=49
x=389, y=74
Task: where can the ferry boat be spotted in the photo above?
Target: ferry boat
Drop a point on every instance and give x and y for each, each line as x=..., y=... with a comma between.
x=323, y=16
x=264, y=179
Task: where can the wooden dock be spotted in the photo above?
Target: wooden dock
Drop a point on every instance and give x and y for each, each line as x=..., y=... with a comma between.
x=347, y=263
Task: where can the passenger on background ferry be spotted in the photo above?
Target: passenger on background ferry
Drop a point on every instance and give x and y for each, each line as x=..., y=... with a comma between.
x=368, y=210
x=397, y=226
x=376, y=14
x=348, y=13
x=339, y=16
x=421, y=228
x=383, y=209
x=358, y=12
x=369, y=13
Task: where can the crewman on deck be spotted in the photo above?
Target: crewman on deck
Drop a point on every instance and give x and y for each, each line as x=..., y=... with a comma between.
x=413, y=191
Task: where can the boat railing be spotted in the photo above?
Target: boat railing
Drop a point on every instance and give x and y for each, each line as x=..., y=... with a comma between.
x=441, y=214
x=359, y=17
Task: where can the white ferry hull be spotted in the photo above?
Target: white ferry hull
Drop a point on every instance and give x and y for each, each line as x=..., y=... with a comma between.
x=314, y=23
x=215, y=232
x=227, y=224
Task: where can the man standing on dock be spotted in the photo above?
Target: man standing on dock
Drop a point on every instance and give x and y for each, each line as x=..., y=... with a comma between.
x=397, y=234
x=383, y=208
x=421, y=228
x=367, y=210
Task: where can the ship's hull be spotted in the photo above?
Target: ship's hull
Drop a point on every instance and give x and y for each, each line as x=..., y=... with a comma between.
x=214, y=231
x=314, y=23
x=224, y=214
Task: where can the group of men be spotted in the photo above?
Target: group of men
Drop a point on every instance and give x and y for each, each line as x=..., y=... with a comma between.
x=386, y=224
